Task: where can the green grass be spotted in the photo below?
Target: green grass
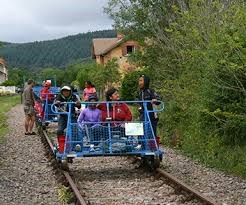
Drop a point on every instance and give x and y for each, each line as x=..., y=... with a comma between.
x=6, y=102
x=64, y=195
x=211, y=152
x=134, y=111
x=189, y=135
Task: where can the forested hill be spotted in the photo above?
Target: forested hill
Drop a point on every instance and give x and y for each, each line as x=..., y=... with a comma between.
x=52, y=53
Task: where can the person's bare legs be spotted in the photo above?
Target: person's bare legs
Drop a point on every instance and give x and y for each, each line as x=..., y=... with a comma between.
x=27, y=120
x=31, y=123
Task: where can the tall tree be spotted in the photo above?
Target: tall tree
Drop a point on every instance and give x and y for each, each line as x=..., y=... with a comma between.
x=196, y=53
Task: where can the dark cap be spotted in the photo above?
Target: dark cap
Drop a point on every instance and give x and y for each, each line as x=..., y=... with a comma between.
x=93, y=97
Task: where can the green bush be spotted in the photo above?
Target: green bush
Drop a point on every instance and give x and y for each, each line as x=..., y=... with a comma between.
x=101, y=76
x=129, y=88
x=9, y=83
x=197, y=52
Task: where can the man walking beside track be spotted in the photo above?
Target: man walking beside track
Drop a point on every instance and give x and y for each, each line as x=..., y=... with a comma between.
x=29, y=101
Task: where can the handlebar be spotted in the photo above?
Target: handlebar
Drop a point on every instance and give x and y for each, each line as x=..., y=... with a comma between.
x=161, y=105
x=53, y=106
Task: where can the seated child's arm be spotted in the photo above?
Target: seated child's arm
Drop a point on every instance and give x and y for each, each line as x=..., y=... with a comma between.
x=81, y=117
x=127, y=113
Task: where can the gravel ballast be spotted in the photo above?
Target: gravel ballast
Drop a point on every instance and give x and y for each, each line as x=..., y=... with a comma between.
x=117, y=181
x=27, y=177
x=226, y=189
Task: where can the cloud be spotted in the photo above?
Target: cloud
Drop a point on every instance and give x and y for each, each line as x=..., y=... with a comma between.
x=29, y=20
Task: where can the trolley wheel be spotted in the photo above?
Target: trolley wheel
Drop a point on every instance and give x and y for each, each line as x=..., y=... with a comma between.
x=157, y=162
x=63, y=164
x=161, y=157
x=38, y=121
x=152, y=162
x=43, y=126
x=55, y=149
x=70, y=160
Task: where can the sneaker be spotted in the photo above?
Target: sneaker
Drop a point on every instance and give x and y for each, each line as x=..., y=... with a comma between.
x=92, y=148
x=138, y=147
x=77, y=148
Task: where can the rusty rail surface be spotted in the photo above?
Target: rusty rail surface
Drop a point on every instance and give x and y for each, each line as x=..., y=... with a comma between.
x=162, y=173
x=73, y=186
x=187, y=188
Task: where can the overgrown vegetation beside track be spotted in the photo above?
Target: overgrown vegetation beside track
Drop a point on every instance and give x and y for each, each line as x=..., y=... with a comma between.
x=6, y=102
x=195, y=52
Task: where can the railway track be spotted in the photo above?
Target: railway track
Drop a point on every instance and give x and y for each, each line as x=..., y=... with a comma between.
x=116, y=180
x=48, y=144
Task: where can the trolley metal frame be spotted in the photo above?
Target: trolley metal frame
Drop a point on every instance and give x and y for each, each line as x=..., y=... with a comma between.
x=142, y=145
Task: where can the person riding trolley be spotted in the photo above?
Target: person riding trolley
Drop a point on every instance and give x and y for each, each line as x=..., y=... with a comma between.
x=66, y=95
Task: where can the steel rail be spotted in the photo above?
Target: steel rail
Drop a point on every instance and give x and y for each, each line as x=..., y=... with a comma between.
x=187, y=188
x=73, y=186
x=160, y=172
x=75, y=189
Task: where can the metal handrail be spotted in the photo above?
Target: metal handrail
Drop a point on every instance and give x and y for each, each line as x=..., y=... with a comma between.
x=161, y=105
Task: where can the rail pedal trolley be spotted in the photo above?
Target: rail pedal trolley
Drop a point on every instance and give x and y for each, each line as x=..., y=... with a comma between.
x=36, y=90
x=48, y=115
x=110, y=138
x=44, y=114
x=38, y=103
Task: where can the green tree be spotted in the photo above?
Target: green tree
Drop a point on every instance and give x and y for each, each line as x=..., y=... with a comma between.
x=8, y=83
x=129, y=88
x=19, y=76
x=196, y=52
x=85, y=74
x=101, y=76
x=110, y=73
x=57, y=53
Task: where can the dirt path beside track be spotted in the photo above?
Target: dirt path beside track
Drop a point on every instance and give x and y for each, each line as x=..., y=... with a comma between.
x=26, y=176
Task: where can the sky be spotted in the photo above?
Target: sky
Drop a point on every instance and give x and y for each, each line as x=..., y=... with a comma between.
x=35, y=20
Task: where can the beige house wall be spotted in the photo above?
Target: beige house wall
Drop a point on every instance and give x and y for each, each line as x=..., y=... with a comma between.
x=98, y=59
x=122, y=60
x=116, y=52
x=119, y=53
x=3, y=73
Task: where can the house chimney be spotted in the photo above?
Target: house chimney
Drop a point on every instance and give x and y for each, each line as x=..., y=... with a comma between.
x=120, y=36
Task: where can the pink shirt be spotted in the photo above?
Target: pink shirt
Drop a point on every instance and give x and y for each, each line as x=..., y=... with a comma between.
x=88, y=92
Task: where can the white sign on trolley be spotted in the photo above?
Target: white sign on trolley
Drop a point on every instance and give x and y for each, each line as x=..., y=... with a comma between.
x=134, y=129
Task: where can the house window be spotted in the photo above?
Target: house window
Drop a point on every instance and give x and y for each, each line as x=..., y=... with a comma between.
x=129, y=49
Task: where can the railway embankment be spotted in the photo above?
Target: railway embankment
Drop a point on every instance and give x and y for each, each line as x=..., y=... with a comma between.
x=26, y=174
